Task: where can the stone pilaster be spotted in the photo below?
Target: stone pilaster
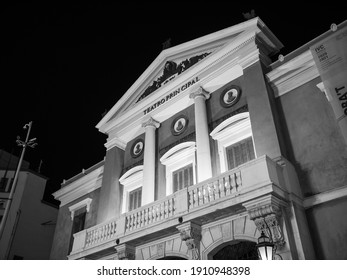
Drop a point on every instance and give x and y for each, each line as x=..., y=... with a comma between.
x=202, y=134
x=191, y=234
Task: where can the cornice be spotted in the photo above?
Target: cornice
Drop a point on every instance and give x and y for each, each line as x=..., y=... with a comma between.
x=80, y=187
x=325, y=197
x=115, y=142
x=293, y=74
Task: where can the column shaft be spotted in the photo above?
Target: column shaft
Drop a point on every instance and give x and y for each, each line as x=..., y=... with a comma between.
x=148, y=187
x=202, y=135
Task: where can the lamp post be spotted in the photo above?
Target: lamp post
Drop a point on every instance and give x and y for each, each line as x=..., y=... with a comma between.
x=31, y=143
x=265, y=247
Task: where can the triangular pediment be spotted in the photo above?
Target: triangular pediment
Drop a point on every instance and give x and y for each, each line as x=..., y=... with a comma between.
x=174, y=62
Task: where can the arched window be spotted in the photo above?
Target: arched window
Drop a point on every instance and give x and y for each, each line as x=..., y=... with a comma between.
x=180, y=163
x=235, y=141
x=132, y=193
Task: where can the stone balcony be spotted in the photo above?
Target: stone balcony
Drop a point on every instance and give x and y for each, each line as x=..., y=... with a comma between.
x=207, y=201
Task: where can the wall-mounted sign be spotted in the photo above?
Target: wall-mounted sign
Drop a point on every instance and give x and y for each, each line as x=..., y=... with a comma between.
x=137, y=148
x=330, y=56
x=179, y=125
x=230, y=96
x=171, y=95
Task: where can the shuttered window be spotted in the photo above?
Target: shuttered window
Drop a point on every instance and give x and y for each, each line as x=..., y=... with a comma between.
x=240, y=153
x=182, y=178
x=135, y=197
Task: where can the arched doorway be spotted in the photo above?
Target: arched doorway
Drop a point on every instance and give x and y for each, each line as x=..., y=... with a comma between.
x=241, y=250
x=172, y=258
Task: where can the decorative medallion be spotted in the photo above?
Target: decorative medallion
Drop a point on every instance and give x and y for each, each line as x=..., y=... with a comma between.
x=179, y=125
x=137, y=148
x=230, y=96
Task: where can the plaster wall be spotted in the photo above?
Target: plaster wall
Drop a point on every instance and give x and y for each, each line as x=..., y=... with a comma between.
x=313, y=139
x=33, y=238
x=63, y=228
x=328, y=229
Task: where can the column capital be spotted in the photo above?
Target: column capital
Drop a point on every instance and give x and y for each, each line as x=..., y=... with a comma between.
x=151, y=122
x=200, y=92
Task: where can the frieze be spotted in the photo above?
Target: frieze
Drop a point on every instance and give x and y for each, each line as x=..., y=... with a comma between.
x=171, y=71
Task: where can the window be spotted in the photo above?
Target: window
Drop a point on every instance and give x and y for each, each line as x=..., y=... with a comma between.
x=3, y=184
x=180, y=163
x=78, y=217
x=132, y=193
x=240, y=153
x=235, y=141
x=182, y=178
x=77, y=224
x=135, y=197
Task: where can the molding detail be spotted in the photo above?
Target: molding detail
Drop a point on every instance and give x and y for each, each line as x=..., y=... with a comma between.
x=85, y=202
x=80, y=187
x=325, y=197
x=200, y=92
x=115, y=142
x=267, y=216
x=293, y=74
x=125, y=252
x=191, y=234
x=151, y=122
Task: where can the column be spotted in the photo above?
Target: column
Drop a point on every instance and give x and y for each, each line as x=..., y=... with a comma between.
x=149, y=161
x=202, y=135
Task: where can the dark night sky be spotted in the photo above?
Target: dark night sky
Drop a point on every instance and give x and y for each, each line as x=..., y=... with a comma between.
x=62, y=66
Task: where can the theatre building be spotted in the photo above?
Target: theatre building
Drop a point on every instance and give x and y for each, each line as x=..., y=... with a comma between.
x=215, y=143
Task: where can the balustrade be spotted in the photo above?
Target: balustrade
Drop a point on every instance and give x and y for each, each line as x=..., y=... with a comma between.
x=244, y=181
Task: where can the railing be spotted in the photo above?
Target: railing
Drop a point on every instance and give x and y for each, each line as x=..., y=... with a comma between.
x=100, y=233
x=214, y=189
x=149, y=214
x=245, y=181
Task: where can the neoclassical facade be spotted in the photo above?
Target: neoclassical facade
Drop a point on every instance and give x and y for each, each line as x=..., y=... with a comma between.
x=213, y=144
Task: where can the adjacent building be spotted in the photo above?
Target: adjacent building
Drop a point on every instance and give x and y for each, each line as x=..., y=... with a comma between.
x=211, y=146
x=29, y=227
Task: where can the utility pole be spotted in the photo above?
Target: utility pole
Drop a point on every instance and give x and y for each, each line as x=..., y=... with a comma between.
x=31, y=143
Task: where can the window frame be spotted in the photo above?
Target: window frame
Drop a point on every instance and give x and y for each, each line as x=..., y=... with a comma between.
x=129, y=198
x=229, y=132
x=131, y=180
x=176, y=158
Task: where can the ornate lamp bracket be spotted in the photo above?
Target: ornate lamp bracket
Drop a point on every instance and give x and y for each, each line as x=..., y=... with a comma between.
x=267, y=219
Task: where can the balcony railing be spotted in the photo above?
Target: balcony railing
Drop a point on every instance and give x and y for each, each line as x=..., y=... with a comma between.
x=246, y=182
x=211, y=190
x=150, y=214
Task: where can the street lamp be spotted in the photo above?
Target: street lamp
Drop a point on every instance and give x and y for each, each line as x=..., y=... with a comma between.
x=265, y=247
x=31, y=143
